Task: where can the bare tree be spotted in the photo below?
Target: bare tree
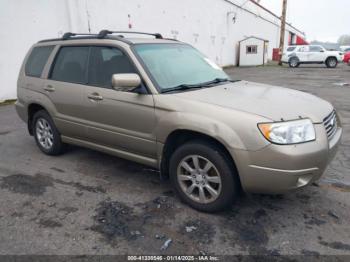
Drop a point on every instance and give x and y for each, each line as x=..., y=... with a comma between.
x=344, y=40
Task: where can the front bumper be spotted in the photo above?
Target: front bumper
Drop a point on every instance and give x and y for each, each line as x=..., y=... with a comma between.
x=277, y=169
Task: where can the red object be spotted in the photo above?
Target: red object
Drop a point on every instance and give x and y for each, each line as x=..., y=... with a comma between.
x=275, y=54
x=301, y=41
x=347, y=57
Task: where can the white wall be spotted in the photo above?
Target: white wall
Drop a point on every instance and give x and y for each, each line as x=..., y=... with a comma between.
x=206, y=24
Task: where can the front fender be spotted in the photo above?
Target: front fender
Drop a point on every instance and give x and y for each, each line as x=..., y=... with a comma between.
x=188, y=121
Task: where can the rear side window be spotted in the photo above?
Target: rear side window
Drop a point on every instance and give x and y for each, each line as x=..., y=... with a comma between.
x=106, y=61
x=291, y=48
x=304, y=49
x=37, y=60
x=71, y=65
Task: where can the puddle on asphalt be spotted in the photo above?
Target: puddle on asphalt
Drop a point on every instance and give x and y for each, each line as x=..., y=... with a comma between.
x=24, y=184
x=36, y=185
x=341, y=84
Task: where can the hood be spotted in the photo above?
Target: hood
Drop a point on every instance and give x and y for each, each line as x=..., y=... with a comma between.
x=275, y=103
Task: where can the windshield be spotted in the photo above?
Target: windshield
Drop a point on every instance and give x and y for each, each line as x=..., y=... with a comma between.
x=173, y=65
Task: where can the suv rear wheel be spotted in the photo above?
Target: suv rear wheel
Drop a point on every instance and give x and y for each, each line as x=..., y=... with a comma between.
x=331, y=62
x=46, y=134
x=294, y=62
x=203, y=176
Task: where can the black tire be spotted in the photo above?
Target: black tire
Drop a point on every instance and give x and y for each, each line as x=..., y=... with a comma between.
x=57, y=145
x=230, y=186
x=294, y=62
x=331, y=62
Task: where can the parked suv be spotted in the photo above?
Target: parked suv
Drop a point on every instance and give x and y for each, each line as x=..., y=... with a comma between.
x=311, y=54
x=160, y=102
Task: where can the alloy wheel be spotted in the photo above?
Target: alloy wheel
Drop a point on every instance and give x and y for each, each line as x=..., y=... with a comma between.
x=44, y=133
x=199, y=179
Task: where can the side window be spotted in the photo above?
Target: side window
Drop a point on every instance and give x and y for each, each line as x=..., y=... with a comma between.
x=71, y=65
x=315, y=49
x=251, y=49
x=37, y=60
x=106, y=61
x=304, y=49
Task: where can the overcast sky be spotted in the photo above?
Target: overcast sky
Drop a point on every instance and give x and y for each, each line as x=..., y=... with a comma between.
x=323, y=20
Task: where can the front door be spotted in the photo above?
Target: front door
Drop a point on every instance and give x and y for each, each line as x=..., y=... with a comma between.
x=117, y=119
x=316, y=54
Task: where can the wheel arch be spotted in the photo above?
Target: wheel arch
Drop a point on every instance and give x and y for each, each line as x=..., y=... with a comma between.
x=181, y=136
x=32, y=109
x=331, y=56
x=293, y=57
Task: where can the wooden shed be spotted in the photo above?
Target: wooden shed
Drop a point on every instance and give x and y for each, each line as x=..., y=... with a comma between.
x=253, y=51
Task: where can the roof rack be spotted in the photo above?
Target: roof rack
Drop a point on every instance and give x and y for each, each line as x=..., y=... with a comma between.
x=101, y=35
x=68, y=35
x=104, y=33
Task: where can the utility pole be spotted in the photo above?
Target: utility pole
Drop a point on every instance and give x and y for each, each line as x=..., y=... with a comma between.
x=283, y=30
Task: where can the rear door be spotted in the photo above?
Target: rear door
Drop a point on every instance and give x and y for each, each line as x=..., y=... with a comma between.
x=117, y=119
x=303, y=53
x=65, y=87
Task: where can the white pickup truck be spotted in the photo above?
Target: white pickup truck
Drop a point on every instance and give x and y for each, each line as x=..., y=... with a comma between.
x=311, y=54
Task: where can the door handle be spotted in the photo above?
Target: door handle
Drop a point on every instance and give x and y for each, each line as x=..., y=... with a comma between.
x=49, y=88
x=95, y=97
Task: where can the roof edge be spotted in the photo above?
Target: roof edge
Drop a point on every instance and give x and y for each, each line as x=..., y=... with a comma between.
x=273, y=14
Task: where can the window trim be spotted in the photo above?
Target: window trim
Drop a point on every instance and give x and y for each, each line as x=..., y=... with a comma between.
x=60, y=46
x=251, y=46
x=47, y=60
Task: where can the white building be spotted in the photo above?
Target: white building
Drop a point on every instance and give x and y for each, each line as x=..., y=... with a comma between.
x=213, y=26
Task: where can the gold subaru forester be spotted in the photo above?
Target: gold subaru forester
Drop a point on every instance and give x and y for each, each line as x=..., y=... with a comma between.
x=160, y=102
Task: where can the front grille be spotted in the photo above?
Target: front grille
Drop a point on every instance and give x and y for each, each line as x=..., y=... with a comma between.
x=330, y=124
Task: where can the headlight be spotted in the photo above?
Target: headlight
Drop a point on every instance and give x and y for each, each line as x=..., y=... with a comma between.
x=289, y=132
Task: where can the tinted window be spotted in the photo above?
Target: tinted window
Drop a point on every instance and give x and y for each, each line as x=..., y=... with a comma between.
x=106, y=61
x=70, y=64
x=37, y=60
x=291, y=48
x=315, y=49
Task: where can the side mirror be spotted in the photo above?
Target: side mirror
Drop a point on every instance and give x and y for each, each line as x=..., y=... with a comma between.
x=125, y=82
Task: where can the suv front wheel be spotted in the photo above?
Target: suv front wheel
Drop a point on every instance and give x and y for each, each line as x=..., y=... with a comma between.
x=203, y=176
x=331, y=62
x=46, y=134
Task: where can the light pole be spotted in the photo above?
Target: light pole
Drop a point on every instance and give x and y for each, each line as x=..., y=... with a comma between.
x=283, y=30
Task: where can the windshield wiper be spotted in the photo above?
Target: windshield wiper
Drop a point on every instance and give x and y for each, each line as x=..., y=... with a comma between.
x=200, y=85
x=218, y=80
x=182, y=87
